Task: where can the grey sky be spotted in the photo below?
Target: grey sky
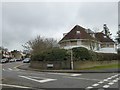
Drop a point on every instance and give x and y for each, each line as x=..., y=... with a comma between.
x=23, y=21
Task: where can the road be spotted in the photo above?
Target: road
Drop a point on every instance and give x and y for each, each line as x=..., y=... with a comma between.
x=14, y=78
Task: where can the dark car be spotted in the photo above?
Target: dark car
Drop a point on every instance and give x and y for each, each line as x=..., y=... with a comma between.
x=26, y=60
x=18, y=59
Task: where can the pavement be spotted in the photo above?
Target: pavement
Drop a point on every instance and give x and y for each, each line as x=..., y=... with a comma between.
x=110, y=70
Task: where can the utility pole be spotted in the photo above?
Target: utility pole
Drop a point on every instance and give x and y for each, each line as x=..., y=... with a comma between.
x=71, y=59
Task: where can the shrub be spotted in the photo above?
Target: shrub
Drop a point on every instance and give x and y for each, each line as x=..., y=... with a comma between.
x=81, y=53
x=38, y=57
x=54, y=54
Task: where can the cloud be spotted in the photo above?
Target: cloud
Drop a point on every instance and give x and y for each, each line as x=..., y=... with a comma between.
x=119, y=12
x=23, y=21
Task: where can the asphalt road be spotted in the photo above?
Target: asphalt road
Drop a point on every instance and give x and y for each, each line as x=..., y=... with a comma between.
x=16, y=79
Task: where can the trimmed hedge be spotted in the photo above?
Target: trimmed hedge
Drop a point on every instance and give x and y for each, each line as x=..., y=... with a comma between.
x=51, y=55
x=107, y=56
x=81, y=53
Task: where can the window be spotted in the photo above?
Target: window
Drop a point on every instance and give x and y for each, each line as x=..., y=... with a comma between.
x=105, y=37
x=78, y=32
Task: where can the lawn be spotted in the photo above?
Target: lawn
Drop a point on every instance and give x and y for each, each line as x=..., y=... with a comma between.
x=111, y=66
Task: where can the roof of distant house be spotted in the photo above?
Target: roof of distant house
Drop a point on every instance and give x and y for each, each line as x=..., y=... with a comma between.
x=78, y=32
x=102, y=37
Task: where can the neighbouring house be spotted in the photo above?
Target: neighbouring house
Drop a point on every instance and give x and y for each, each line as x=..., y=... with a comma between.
x=106, y=43
x=16, y=54
x=81, y=37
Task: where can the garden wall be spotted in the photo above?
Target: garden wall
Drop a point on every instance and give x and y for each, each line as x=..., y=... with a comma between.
x=57, y=65
x=50, y=64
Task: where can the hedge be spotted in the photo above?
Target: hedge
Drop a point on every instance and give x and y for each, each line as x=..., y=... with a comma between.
x=51, y=55
x=107, y=56
x=81, y=53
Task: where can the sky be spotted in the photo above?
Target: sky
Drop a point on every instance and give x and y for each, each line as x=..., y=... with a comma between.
x=23, y=21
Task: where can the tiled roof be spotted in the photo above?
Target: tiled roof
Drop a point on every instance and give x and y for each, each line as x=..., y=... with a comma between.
x=102, y=37
x=82, y=34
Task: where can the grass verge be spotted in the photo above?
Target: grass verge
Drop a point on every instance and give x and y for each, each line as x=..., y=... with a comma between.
x=102, y=67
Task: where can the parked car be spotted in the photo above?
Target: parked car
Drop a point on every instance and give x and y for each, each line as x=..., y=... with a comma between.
x=5, y=60
x=12, y=60
x=26, y=60
x=18, y=59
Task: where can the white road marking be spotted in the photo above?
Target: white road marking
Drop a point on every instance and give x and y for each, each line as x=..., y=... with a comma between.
x=101, y=82
x=106, y=86
x=69, y=74
x=16, y=86
x=46, y=80
x=37, y=77
x=73, y=75
x=10, y=69
x=95, y=85
x=111, y=83
x=83, y=78
x=89, y=87
x=115, y=80
x=109, y=78
x=105, y=80
x=59, y=73
x=3, y=69
x=40, y=81
x=114, y=76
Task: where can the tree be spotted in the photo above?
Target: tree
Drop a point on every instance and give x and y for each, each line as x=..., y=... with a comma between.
x=118, y=38
x=40, y=44
x=106, y=30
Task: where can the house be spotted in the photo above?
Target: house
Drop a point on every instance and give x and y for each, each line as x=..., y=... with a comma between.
x=16, y=54
x=106, y=45
x=81, y=37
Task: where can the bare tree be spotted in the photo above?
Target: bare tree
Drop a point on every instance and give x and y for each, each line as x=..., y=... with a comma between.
x=118, y=37
x=40, y=44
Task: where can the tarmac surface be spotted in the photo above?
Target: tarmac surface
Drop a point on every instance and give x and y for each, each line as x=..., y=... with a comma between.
x=17, y=76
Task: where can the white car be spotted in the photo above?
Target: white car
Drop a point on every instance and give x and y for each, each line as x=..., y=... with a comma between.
x=12, y=60
x=26, y=60
x=5, y=60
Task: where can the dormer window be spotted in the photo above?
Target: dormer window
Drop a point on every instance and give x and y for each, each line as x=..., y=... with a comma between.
x=78, y=32
x=105, y=37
